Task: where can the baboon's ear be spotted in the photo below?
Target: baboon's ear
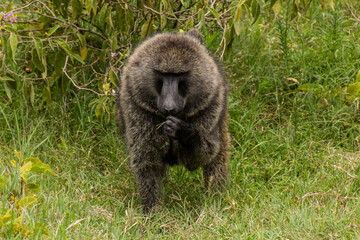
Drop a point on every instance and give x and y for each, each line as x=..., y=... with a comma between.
x=195, y=34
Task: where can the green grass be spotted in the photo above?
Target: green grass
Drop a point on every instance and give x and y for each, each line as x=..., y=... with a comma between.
x=295, y=163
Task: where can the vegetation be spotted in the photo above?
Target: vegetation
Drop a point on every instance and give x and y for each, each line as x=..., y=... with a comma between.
x=295, y=123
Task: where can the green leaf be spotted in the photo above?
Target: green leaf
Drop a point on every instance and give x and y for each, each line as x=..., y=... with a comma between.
x=65, y=46
x=357, y=79
x=114, y=44
x=63, y=144
x=113, y=77
x=79, y=58
x=4, y=219
x=7, y=91
x=273, y=2
x=51, y=44
x=3, y=181
x=164, y=2
x=237, y=27
x=163, y=21
x=354, y=89
x=38, y=166
x=32, y=189
x=82, y=39
x=58, y=67
x=216, y=15
x=147, y=28
x=189, y=24
x=255, y=9
x=26, y=90
x=238, y=13
x=201, y=16
x=129, y=19
x=36, y=61
x=53, y=29
x=43, y=61
x=3, y=42
x=83, y=47
x=210, y=37
x=95, y=6
x=77, y=8
x=6, y=78
x=38, y=47
x=40, y=227
x=120, y=19
x=9, y=7
x=108, y=18
x=88, y=6
x=276, y=7
x=237, y=21
x=83, y=52
x=311, y=87
x=46, y=94
x=331, y=4
x=59, y=63
x=99, y=111
x=228, y=36
x=13, y=44
x=27, y=202
x=148, y=3
x=32, y=93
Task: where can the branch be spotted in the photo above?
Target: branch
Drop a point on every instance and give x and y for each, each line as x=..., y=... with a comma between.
x=17, y=9
x=74, y=83
x=330, y=195
x=352, y=14
x=343, y=170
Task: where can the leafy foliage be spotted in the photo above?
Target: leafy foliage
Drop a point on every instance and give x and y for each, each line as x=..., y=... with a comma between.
x=22, y=195
x=294, y=169
x=51, y=48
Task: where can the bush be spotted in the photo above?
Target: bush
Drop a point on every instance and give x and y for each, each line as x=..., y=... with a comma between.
x=51, y=48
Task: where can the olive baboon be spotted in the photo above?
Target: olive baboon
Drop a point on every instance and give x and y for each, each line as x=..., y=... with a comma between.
x=172, y=109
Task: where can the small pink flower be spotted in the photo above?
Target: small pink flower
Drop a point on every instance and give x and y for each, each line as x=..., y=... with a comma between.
x=113, y=54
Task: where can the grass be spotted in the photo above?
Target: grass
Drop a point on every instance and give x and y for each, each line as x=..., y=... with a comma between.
x=295, y=164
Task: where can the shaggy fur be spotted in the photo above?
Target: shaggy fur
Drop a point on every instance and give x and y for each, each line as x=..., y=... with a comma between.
x=195, y=134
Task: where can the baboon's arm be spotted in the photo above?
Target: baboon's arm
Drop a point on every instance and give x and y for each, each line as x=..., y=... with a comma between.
x=197, y=146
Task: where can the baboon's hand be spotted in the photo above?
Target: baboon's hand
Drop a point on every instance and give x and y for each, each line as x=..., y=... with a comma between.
x=178, y=129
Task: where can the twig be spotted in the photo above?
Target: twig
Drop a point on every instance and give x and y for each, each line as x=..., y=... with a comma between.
x=17, y=9
x=225, y=43
x=74, y=83
x=90, y=31
x=330, y=195
x=352, y=14
x=47, y=8
x=352, y=176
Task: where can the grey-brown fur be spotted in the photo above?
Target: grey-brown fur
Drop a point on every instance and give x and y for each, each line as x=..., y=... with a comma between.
x=186, y=126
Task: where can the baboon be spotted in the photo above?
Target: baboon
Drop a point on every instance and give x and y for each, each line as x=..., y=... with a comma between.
x=172, y=109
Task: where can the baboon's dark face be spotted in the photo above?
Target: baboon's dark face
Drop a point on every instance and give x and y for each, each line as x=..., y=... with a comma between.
x=171, y=89
x=171, y=75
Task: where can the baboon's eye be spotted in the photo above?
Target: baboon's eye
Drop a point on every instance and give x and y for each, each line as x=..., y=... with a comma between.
x=182, y=88
x=159, y=85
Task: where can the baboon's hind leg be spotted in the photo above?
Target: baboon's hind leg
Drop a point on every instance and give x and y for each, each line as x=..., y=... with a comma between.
x=216, y=172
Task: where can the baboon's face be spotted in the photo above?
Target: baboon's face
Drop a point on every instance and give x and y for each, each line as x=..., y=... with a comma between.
x=171, y=75
x=171, y=89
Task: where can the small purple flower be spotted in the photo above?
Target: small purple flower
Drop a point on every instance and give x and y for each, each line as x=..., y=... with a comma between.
x=113, y=54
x=14, y=19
